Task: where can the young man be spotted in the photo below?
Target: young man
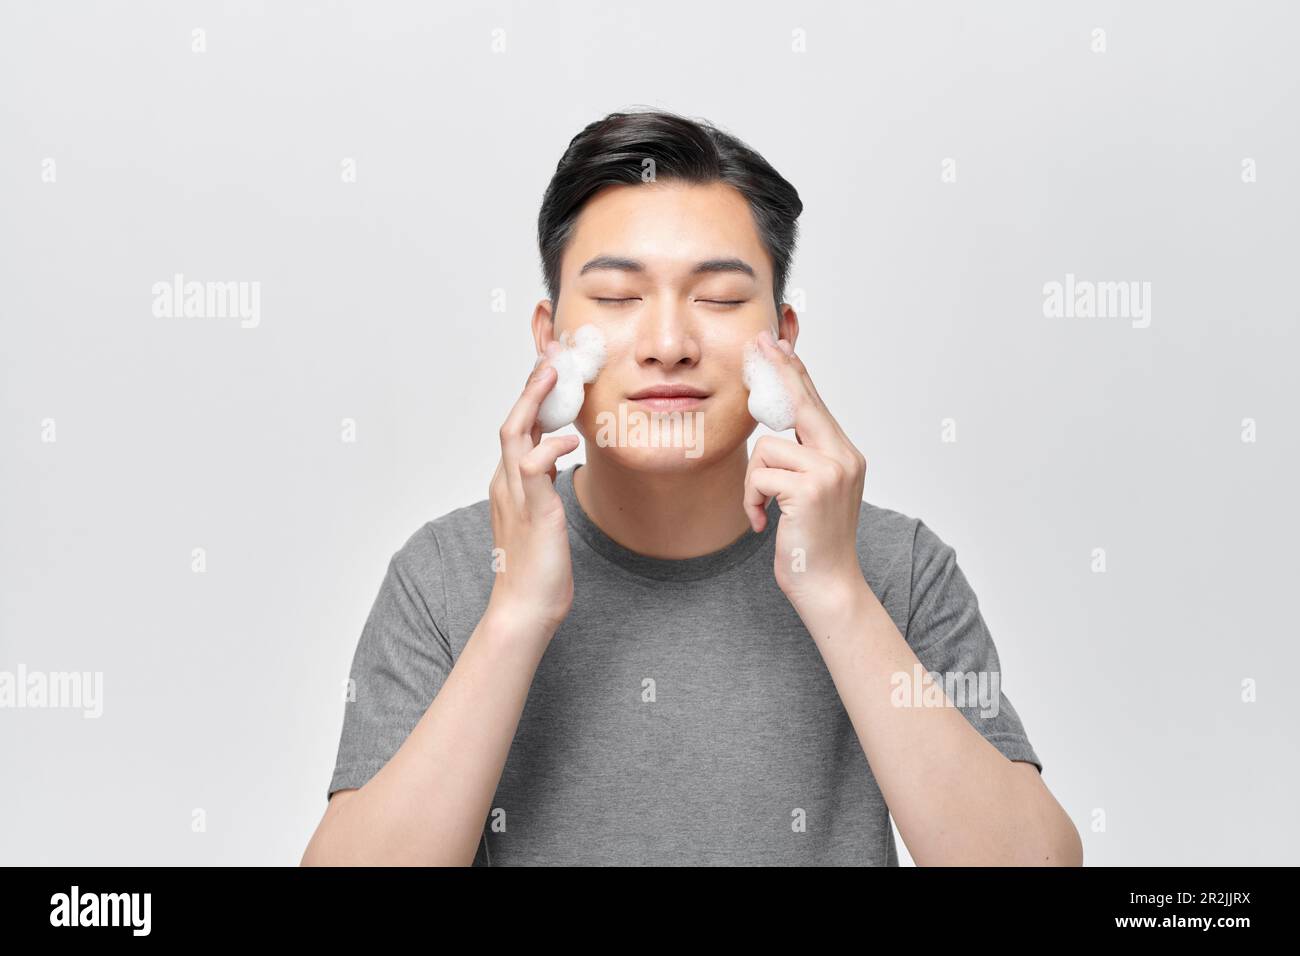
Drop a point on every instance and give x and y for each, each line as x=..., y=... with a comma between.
x=678, y=655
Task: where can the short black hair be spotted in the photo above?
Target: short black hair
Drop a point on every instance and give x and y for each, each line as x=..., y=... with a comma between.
x=614, y=151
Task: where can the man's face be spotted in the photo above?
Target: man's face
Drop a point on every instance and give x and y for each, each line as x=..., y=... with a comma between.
x=636, y=268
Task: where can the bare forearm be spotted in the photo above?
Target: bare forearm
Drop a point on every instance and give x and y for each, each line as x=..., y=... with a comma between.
x=428, y=804
x=957, y=800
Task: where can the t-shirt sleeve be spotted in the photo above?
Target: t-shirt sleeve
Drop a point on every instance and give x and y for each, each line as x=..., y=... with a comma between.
x=947, y=633
x=402, y=659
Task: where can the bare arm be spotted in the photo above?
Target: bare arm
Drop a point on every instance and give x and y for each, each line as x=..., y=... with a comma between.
x=427, y=805
x=957, y=799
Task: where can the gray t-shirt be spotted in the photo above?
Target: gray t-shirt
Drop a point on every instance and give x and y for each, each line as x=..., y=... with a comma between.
x=682, y=713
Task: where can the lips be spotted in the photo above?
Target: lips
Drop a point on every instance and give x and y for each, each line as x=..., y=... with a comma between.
x=669, y=391
x=682, y=403
x=669, y=398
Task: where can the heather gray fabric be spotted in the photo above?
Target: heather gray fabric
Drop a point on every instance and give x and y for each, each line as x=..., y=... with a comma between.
x=682, y=714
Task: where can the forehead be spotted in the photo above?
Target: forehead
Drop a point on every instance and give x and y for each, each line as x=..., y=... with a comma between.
x=670, y=226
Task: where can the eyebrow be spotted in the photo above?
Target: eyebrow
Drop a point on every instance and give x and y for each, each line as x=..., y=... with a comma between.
x=705, y=266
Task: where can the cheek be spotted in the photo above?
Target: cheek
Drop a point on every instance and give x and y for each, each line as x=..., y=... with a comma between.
x=601, y=396
x=730, y=410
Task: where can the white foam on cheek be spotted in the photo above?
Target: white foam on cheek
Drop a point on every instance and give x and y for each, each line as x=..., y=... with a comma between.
x=579, y=360
x=769, y=402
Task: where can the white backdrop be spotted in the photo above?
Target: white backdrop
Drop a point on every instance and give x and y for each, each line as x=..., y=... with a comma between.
x=376, y=169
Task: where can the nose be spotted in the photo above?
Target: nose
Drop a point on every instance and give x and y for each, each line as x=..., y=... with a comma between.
x=665, y=337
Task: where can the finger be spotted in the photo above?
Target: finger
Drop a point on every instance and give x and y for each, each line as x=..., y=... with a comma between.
x=802, y=369
x=772, y=452
x=537, y=468
x=519, y=431
x=813, y=424
x=537, y=438
x=762, y=484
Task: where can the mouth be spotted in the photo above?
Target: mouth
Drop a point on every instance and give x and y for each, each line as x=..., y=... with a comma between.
x=681, y=404
x=670, y=398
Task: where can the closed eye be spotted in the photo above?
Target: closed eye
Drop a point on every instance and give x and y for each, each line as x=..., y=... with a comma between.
x=604, y=301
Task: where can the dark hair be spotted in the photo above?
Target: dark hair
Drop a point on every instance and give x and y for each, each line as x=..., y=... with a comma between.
x=613, y=150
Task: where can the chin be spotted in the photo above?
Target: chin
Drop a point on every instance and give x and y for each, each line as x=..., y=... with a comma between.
x=659, y=460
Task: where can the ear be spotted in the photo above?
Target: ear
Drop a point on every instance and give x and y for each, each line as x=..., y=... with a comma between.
x=544, y=331
x=788, y=324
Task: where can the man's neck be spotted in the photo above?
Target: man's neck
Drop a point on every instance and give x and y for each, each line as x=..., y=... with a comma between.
x=670, y=515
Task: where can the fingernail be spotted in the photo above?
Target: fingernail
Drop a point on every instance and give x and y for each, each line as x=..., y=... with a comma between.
x=766, y=337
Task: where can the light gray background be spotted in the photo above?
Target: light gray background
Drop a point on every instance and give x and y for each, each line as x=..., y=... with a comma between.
x=222, y=690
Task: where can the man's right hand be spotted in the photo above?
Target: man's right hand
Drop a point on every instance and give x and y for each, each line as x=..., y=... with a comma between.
x=534, y=571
